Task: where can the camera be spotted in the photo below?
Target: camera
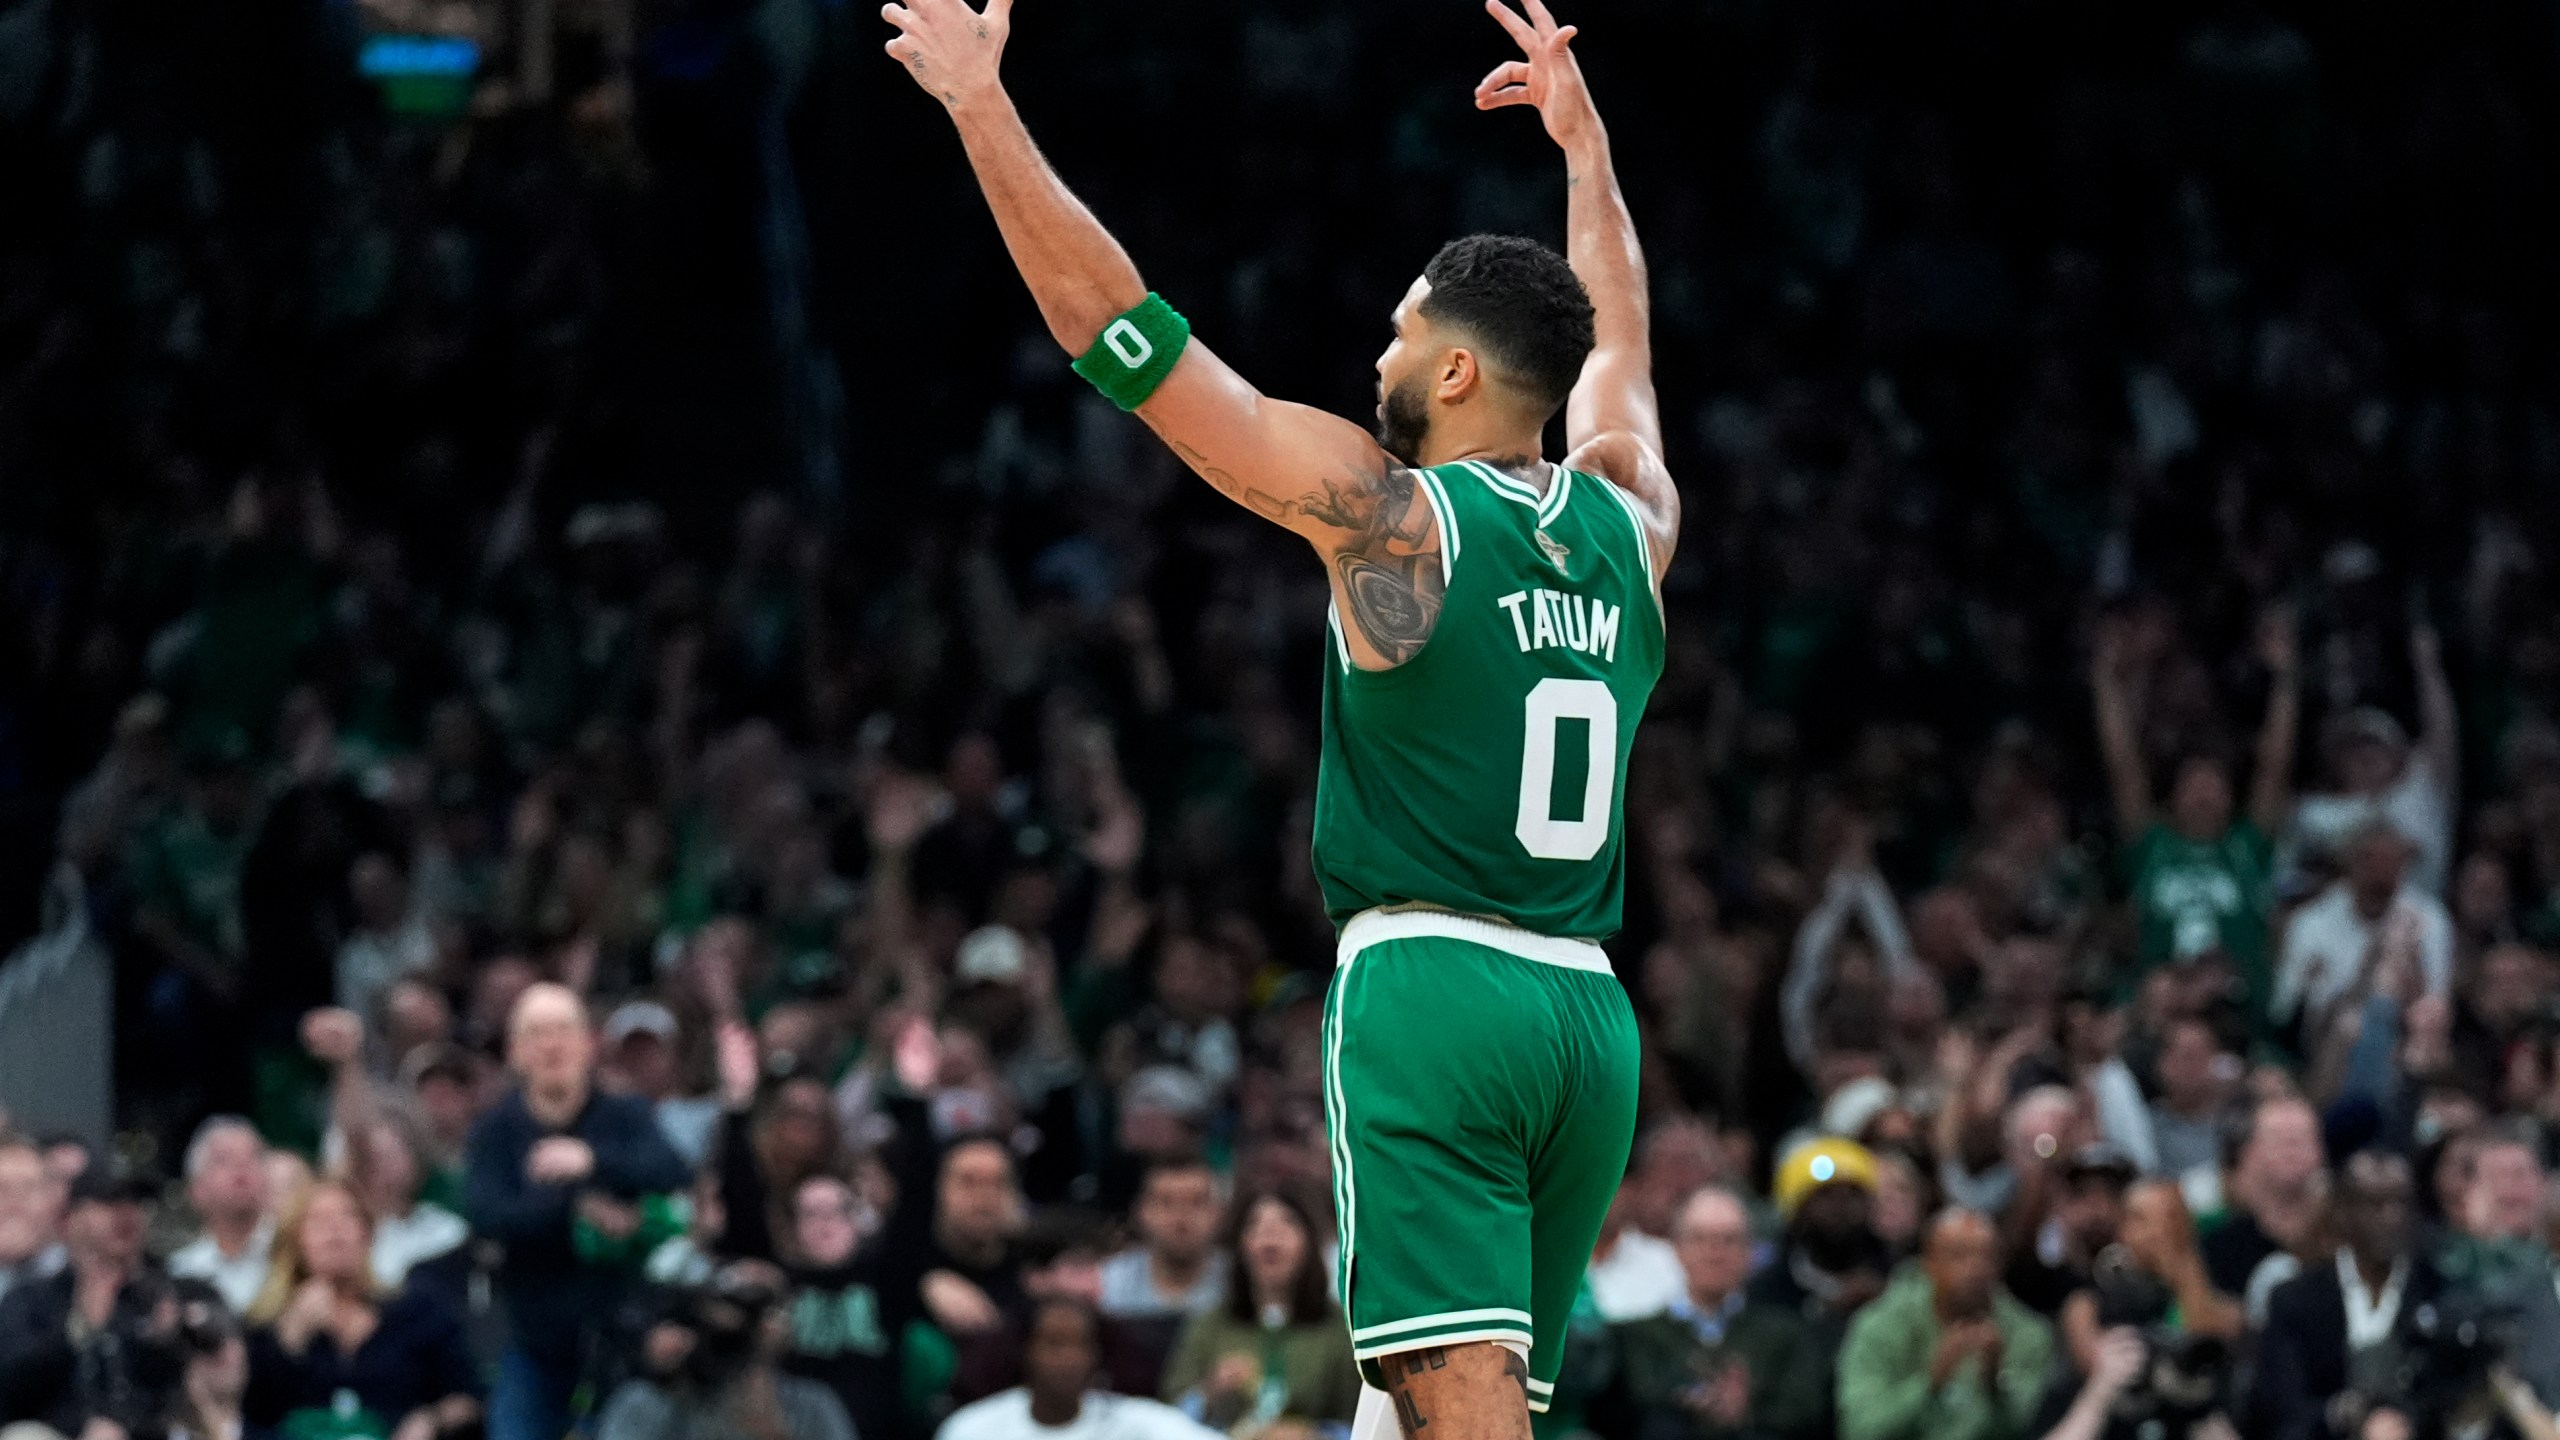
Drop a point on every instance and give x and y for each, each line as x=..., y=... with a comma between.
x=727, y=1316
x=205, y=1324
x=2448, y=1346
x=2185, y=1378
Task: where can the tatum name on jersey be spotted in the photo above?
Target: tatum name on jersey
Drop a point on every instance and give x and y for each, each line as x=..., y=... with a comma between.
x=1487, y=774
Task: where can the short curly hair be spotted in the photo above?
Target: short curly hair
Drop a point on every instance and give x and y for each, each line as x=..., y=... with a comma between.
x=1522, y=302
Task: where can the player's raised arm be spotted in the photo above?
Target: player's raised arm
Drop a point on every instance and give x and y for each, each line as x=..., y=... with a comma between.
x=1316, y=474
x=1613, y=427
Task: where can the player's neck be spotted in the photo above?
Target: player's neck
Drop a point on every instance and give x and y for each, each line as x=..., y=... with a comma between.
x=1505, y=448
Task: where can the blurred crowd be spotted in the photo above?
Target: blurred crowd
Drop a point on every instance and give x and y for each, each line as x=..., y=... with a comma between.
x=695, y=843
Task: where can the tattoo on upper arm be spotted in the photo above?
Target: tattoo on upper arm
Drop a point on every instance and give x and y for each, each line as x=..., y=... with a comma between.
x=1389, y=564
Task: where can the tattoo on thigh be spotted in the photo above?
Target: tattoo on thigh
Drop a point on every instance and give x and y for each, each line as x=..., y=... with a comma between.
x=1399, y=1371
x=1516, y=1367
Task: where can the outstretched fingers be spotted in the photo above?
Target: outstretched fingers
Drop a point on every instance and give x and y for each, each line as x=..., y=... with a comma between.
x=1521, y=30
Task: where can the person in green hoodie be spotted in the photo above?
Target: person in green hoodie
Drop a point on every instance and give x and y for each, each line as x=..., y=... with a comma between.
x=1945, y=1353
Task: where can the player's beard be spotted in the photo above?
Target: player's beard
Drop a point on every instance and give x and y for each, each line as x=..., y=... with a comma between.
x=1404, y=422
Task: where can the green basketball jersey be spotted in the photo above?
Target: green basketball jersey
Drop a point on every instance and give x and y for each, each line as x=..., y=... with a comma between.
x=1487, y=775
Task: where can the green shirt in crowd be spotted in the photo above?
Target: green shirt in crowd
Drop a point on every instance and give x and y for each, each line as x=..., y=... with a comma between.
x=2193, y=897
x=1884, y=1371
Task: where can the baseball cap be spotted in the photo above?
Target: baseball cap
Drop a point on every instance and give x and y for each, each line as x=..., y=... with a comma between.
x=445, y=1059
x=1817, y=1163
x=640, y=1017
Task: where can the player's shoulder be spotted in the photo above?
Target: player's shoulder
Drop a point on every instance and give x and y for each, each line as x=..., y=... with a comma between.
x=1623, y=457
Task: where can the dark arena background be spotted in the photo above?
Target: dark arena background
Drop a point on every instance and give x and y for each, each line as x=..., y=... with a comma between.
x=497, y=492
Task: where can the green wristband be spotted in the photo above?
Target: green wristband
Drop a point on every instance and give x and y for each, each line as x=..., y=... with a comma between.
x=1135, y=352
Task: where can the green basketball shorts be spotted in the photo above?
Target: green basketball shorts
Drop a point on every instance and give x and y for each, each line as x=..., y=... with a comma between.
x=1480, y=1095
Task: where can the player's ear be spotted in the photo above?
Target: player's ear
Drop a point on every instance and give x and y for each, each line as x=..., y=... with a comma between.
x=1459, y=379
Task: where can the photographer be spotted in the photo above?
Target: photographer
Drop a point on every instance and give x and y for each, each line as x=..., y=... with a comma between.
x=2155, y=1278
x=711, y=1371
x=2121, y=1357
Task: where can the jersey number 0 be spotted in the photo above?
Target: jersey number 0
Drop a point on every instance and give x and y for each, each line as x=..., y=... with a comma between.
x=1554, y=701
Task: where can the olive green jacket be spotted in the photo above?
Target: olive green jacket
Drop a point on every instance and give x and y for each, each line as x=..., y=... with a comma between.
x=1884, y=1371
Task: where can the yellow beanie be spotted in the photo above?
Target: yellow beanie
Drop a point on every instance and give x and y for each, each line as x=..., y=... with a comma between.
x=1829, y=1161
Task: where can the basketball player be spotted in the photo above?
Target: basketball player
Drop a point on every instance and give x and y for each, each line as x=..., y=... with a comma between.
x=1495, y=631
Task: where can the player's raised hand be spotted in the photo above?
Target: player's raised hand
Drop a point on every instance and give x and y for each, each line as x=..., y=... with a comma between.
x=951, y=49
x=1550, y=78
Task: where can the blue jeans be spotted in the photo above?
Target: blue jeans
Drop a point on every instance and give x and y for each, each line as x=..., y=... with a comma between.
x=532, y=1398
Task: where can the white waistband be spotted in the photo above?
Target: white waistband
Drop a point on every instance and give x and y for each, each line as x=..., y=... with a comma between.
x=1369, y=927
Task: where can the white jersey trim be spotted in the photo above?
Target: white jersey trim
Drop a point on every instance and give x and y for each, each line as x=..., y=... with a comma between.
x=1372, y=927
x=1503, y=485
x=1448, y=517
x=1559, y=490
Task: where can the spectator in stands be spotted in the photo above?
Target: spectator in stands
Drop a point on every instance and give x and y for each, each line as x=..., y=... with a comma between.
x=1062, y=1354
x=387, y=1154
x=556, y=1161
x=713, y=1369
x=2202, y=880
x=1718, y=1363
x=2333, y=1334
x=789, y=1135
x=2159, y=1259
x=324, y=1329
x=94, y=1345
x=227, y=1188
x=215, y=1382
x=1632, y=1274
x=391, y=940
x=1634, y=1270
x=2270, y=1202
x=2503, y=1204
x=965, y=1268
x=1830, y=1262
x=2195, y=1074
x=644, y=1056
x=2379, y=778
x=848, y=1323
x=1945, y=1354
x=1176, y=1269
x=2344, y=942
x=1274, y=1346
x=2087, y=1215
x=389, y=1164
x=30, y=1217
